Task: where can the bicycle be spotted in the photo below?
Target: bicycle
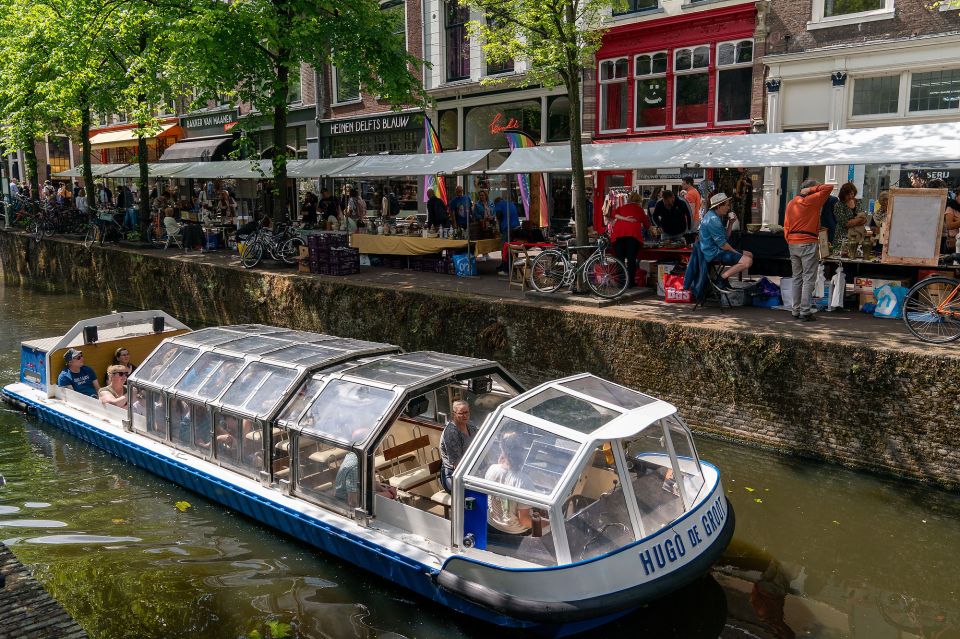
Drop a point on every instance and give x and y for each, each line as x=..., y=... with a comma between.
x=44, y=223
x=605, y=275
x=101, y=227
x=282, y=246
x=931, y=309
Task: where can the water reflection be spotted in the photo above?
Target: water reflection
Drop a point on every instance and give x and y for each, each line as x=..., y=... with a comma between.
x=819, y=551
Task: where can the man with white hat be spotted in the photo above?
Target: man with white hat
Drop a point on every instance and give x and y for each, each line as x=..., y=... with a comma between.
x=714, y=242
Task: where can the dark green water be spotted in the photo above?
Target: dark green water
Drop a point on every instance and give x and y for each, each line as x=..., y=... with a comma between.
x=819, y=551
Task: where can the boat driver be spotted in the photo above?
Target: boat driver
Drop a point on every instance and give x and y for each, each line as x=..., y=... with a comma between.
x=506, y=517
x=77, y=375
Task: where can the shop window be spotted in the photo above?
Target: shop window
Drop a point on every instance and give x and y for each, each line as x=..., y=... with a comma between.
x=692, y=86
x=613, y=95
x=635, y=6
x=935, y=90
x=346, y=86
x=558, y=119
x=872, y=96
x=734, y=80
x=448, y=129
x=650, y=90
x=484, y=125
x=456, y=39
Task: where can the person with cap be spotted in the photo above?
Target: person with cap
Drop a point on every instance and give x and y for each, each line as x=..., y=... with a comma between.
x=77, y=375
x=714, y=240
x=115, y=392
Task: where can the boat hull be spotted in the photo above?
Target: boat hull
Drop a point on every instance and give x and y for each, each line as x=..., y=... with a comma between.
x=460, y=590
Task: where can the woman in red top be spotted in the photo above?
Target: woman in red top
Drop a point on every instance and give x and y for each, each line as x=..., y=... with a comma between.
x=627, y=233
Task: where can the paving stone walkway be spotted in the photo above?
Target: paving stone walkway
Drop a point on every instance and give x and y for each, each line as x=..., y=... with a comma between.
x=27, y=611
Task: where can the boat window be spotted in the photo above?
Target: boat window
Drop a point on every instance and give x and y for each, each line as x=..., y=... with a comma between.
x=190, y=425
x=305, y=353
x=525, y=457
x=259, y=387
x=280, y=455
x=138, y=408
x=555, y=406
x=151, y=367
x=595, y=512
x=443, y=360
x=227, y=439
x=174, y=368
x=156, y=414
x=346, y=411
x=208, y=336
x=609, y=392
x=492, y=392
x=299, y=336
x=209, y=375
x=301, y=400
x=251, y=445
x=687, y=456
x=255, y=345
x=329, y=472
x=520, y=530
x=393, y=372
x=651, y=473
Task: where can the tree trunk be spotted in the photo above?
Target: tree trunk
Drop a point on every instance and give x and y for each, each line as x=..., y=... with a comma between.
x=282, y=88
x=143, y=187
x=30, y=160
x=576, y=158
x=88, y=187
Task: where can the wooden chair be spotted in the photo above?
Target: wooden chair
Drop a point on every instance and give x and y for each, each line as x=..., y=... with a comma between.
x=519, y=266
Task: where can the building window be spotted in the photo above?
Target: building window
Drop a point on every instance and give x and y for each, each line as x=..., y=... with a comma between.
x=833, y=8
x=833, y=13
x=935, y=90
x=294, y=88
x=346, y=87
x=734, y=80
x=458, y=46
x=58, y=154
x=504, y=66
x=650, y=95
x=874, y=96
x=635, y=6
x=613, y=95
x=448, y=129
x=558, y=118
x=102, y=118
x=692, y=85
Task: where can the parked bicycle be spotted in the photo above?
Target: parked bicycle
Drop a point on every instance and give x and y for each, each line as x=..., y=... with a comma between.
x=282, y=246
x=44, y=223
x=604, y=274
x=931, y=309
x=102, y=227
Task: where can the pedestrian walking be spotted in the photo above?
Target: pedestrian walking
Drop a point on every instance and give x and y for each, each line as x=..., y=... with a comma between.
x=801, y=228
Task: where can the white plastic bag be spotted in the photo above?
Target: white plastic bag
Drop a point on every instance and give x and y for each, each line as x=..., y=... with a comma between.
x=821, y=281
x=838, y=285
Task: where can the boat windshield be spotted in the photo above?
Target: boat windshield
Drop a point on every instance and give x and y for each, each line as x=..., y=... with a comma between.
x=608, y=392
x=346, y=411
x=209, y=375
x=391, y=371
x=259, y=388
x=167, y=364
x=559, y=407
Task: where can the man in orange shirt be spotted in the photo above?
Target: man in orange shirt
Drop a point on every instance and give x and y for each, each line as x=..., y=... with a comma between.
x=693, y=199
x=801, y=229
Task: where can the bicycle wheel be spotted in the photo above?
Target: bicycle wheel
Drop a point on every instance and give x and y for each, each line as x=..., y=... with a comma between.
x=290, y=250
x=91, y=237
x=605, y=275
x=928, y=315
x=547, y=271
x=48, y=229
x=251, y=254
x=37, y=230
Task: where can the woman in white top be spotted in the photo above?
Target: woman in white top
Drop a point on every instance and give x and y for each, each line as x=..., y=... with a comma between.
x=116, y=392
x=506, y=515
x=81, y=201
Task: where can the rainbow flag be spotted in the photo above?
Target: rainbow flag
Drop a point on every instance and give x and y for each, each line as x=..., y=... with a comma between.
x=520, y=140
x=432, y=144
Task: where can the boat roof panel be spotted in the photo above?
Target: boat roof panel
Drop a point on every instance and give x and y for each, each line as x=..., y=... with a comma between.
x=394, y=371
x=443, y=360
x=255, y=345
x=560, y=407
x=346, y=411
x=259, y=388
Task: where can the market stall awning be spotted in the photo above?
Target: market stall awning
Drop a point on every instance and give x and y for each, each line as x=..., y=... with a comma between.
x=98, y=170
x=448, y=163
x=203, y=150
x=128, y=137
x=154, y=170
x=878, y=145
x=253, y=169
x=318, y=168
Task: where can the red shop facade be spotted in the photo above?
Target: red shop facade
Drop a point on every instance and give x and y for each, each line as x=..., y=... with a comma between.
x=685, y=75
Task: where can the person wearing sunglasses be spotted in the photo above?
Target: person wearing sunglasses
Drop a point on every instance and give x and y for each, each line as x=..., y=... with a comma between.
x=77, y=375
x=120, y=356
x=115, y=393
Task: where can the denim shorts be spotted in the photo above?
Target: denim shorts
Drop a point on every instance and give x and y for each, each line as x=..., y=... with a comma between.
x=728, y=258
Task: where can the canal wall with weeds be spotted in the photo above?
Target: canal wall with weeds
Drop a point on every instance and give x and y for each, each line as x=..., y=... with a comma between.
x=875, y=409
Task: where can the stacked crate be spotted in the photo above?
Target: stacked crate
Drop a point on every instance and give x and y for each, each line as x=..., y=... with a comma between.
x=329, y=254
x=430, y=264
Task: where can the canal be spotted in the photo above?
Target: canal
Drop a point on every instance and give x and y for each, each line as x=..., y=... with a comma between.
x=819, y=551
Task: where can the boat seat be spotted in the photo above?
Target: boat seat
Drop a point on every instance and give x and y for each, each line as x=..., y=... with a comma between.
x=381, y=462
x=327, y=457
x=444, y=501
x=416, y=476
x=283, y=473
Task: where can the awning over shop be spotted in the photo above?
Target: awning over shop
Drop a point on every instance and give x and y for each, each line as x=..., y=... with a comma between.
x=128, y=137
x=880, y=145
x=197, y=150
x=253, y=169
x=318, y=168
x=447, y=163
x=154, y=170
x=98, y=170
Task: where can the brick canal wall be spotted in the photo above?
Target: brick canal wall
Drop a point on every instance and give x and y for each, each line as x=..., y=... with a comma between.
x=877, y=409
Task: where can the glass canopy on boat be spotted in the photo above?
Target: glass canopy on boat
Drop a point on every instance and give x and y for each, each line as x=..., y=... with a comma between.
x=247, y=369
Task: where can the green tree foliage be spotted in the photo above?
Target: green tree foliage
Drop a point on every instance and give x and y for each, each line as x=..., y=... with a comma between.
x=559, y=39
x=253, y=50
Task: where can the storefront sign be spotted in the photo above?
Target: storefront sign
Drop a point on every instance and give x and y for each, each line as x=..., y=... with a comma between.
x=220, y=119
x=499, y=124
x=383, y=123
x=653, y=175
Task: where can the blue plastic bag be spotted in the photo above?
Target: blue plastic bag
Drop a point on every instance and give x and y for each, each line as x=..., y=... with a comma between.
x=464, y=265
x=889, y=301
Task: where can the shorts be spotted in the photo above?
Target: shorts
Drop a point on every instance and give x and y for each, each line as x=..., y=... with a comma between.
x=728, y=258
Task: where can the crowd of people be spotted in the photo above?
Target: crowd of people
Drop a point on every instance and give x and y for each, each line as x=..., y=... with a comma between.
x=80, y=377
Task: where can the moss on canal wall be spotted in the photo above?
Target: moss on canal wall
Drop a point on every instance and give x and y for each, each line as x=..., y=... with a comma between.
x=880, y=410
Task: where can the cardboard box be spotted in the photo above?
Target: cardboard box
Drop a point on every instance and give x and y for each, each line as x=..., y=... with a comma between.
x=649, y=268
x=662, y=270
x=867, y=284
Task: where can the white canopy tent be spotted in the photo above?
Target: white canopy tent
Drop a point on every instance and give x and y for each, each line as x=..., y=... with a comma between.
x=154, y=169
x=305, y=169
x=447, y=163
x=252, y=169
x=98, y=170
x=880, y=145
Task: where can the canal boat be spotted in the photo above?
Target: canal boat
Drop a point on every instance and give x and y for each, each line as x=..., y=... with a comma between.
x=576, y=502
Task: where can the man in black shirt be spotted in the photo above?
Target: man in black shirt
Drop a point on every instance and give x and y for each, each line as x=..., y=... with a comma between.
x=672, y=216
x=327, y=206
x=437, y=215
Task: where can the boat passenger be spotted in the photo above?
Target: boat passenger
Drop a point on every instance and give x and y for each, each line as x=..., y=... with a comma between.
x=121, y=356
x=506, y=517
x=78, y=376
x=454, y=441
x=115, y=392
x=346, y=483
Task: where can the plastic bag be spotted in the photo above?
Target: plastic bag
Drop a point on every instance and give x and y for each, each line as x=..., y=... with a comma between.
x=674, y=293
x=838, y=286
x=889, y=301
x=464, y=265
x=818, y=291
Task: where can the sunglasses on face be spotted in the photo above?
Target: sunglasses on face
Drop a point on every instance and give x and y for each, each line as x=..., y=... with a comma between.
x=122, y=374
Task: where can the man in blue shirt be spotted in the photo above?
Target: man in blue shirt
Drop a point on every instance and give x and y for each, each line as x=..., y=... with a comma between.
x=505, y=210
x=78, y=376
x=714, y=243
x=460, y=208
